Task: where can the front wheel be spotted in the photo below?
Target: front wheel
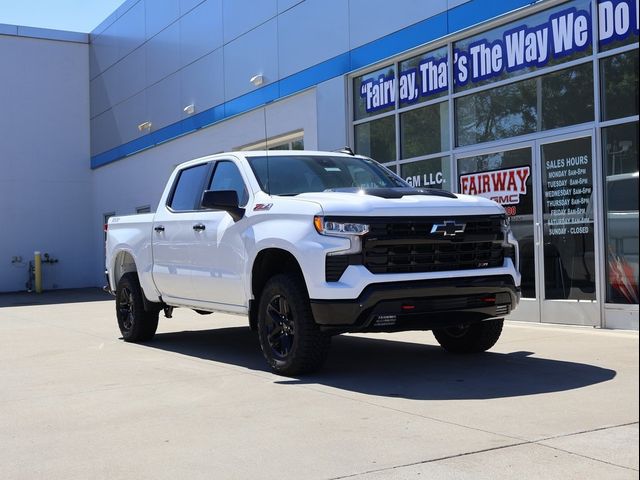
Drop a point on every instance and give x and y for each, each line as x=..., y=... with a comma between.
x=290, y=340
x=473, y=338
x=136, y=324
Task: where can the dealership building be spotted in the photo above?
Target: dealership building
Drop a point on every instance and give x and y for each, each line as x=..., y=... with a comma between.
x=532, y=104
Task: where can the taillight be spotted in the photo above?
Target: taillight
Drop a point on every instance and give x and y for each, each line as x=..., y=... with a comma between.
x=105, y=227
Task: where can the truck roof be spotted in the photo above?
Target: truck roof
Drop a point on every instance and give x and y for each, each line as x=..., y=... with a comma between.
x=274, y=153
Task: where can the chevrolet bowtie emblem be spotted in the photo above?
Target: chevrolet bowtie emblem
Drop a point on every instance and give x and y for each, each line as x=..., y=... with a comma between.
x=448, y=228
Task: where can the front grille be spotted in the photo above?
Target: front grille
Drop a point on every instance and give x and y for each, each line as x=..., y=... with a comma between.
x=408, y=246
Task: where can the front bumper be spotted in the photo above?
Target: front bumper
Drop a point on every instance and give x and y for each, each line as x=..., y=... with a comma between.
x=419, y=305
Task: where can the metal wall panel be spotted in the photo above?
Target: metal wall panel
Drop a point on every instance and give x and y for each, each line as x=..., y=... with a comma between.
x=331, y=99
x=129, y=114
x=251, y=54
x=240, y=16
x=104, y=51
x=130, y=30
x=163, y=102
x=98, y=96
x=372, y=19
x=159, y=14
x=202, y=82
x=130, y=75
x=454, y=3
x=287, y=4
x=163, y=54
x=314, y=31
x=200, y=31
x=104, y=132
x=188, y=5
x=121, y=81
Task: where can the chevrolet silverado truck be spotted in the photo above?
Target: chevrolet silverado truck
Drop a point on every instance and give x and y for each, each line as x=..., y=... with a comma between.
x=308, y=245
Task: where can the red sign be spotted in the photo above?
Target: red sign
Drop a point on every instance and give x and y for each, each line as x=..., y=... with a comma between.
x=502, y=186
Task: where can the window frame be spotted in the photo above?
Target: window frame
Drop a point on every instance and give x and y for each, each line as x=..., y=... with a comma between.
x=212, y=174
x=207, y=178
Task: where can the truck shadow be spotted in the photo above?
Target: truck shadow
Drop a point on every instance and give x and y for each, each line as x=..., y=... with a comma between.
x=390, y=368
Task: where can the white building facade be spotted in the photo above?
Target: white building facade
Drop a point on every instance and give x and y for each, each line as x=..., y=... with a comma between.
x=532, y=104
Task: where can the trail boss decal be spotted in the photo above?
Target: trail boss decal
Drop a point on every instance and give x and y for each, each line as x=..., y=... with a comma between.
x=502, y=186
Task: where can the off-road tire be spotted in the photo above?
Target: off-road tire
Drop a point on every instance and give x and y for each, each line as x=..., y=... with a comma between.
x=473, y=338
x=136, y=324
x=290, y=340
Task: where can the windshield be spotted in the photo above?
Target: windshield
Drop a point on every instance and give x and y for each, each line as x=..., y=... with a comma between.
x=291, y=175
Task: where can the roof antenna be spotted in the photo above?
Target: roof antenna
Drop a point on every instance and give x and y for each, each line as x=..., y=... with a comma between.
x=346, y=149
x=266, y=146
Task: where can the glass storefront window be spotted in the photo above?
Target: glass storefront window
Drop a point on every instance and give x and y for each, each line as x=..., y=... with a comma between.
x=431, y=173
x=550, y=37
x=424, y=131
x=617, y=23
x=506, y=177
x=424, y=77
x=567, y=97
x=502, y=112
x=567, y=209
x=620, y=152
x=374, y=92
x=619, y=73
x=377, y=139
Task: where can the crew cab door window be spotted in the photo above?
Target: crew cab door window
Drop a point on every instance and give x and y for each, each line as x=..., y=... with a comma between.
x=227, y=177
x=188, y=190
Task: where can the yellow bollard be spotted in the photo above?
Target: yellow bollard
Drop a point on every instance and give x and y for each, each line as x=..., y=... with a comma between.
x=37, y=268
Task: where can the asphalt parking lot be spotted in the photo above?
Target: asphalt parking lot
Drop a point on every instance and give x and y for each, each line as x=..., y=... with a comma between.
x=76, y=402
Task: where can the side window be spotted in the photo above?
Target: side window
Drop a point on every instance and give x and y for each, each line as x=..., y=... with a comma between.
x=188, y=189
x=227, y=177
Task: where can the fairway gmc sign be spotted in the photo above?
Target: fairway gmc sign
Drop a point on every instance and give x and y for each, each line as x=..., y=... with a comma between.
x=502, y=186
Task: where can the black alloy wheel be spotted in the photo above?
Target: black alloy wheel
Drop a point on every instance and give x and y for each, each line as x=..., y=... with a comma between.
x=280, y=327
x=136, y=324
x=290, y=340
x=126, y=309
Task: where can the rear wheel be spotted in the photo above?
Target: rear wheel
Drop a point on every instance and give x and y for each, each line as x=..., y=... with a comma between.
x=473, y=338
x=136, y=324
x=290, y=340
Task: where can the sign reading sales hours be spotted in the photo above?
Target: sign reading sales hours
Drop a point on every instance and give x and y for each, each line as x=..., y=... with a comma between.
x=567, y=193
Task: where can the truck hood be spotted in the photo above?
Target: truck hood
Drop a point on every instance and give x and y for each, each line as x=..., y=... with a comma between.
x=378, y=203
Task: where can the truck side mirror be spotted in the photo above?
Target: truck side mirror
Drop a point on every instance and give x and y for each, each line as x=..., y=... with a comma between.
x=226, y=200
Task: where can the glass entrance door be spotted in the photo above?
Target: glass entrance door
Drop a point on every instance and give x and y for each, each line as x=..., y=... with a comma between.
x=508, y=177
x=547, y=189
x=568, y=274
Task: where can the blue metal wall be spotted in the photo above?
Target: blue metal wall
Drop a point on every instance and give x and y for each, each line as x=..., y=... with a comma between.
x=151, y=58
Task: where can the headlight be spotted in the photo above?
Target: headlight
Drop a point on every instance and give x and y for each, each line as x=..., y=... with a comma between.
x=341, y=229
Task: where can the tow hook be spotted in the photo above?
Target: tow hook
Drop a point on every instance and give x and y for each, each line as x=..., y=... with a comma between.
x=168, y=312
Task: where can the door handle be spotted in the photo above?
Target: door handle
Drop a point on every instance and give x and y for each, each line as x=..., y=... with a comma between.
x=159, y=229
x=538, y=233
x=198, y=227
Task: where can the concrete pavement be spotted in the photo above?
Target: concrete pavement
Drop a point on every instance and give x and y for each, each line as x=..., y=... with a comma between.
x=198, y=402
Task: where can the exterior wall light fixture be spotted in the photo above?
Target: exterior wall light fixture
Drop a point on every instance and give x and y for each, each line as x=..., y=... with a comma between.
x=144, y=126
x=189, y=109
x=257, y=80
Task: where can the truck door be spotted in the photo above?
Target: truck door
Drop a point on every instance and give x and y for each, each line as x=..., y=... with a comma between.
x=219, y=254
x=177, y=225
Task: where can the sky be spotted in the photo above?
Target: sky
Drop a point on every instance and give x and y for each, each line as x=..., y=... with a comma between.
x=72, y=15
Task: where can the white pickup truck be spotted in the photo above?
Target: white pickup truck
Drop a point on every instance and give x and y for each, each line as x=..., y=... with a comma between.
x=312, y=244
